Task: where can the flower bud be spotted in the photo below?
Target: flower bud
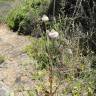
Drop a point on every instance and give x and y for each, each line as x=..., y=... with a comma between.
x=53, y=34
x=45, y=18
x=69, y=51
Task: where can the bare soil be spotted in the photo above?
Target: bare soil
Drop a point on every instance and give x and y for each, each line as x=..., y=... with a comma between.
x=12, y=72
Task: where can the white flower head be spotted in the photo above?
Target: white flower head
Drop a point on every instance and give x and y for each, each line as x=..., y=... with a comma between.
x=69, y=51
x=53, y=34
x=45, y=18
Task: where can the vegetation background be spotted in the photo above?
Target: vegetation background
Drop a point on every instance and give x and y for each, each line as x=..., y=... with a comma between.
x=64, y=66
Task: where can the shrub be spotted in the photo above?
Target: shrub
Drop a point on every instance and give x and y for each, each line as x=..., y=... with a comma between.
x=16, y=16
x=38, y=52
x=72, y=69
x=30, y=24
x=24, y=19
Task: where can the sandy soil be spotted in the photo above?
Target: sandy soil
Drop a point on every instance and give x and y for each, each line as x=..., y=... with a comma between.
x=12, y=72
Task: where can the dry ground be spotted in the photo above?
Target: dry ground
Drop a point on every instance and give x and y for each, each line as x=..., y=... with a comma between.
x=12, y=73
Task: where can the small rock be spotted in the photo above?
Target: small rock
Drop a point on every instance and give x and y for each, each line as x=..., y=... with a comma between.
x=3, y=65
x=4, y=90
x=69, y=94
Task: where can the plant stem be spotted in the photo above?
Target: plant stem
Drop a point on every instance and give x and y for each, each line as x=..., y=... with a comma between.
x=50, y=79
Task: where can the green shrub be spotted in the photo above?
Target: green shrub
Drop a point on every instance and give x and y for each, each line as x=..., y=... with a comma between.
x=73, y=70
x=16, y=16
x=30, y=24
x=24, y=19
x=38, y=52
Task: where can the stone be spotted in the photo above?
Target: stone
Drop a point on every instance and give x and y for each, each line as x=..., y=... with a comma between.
x=4, y=90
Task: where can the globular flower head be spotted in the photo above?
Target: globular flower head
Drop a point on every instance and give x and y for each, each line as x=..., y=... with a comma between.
x=53, y=34
x=70, y=51
x=45, y=18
